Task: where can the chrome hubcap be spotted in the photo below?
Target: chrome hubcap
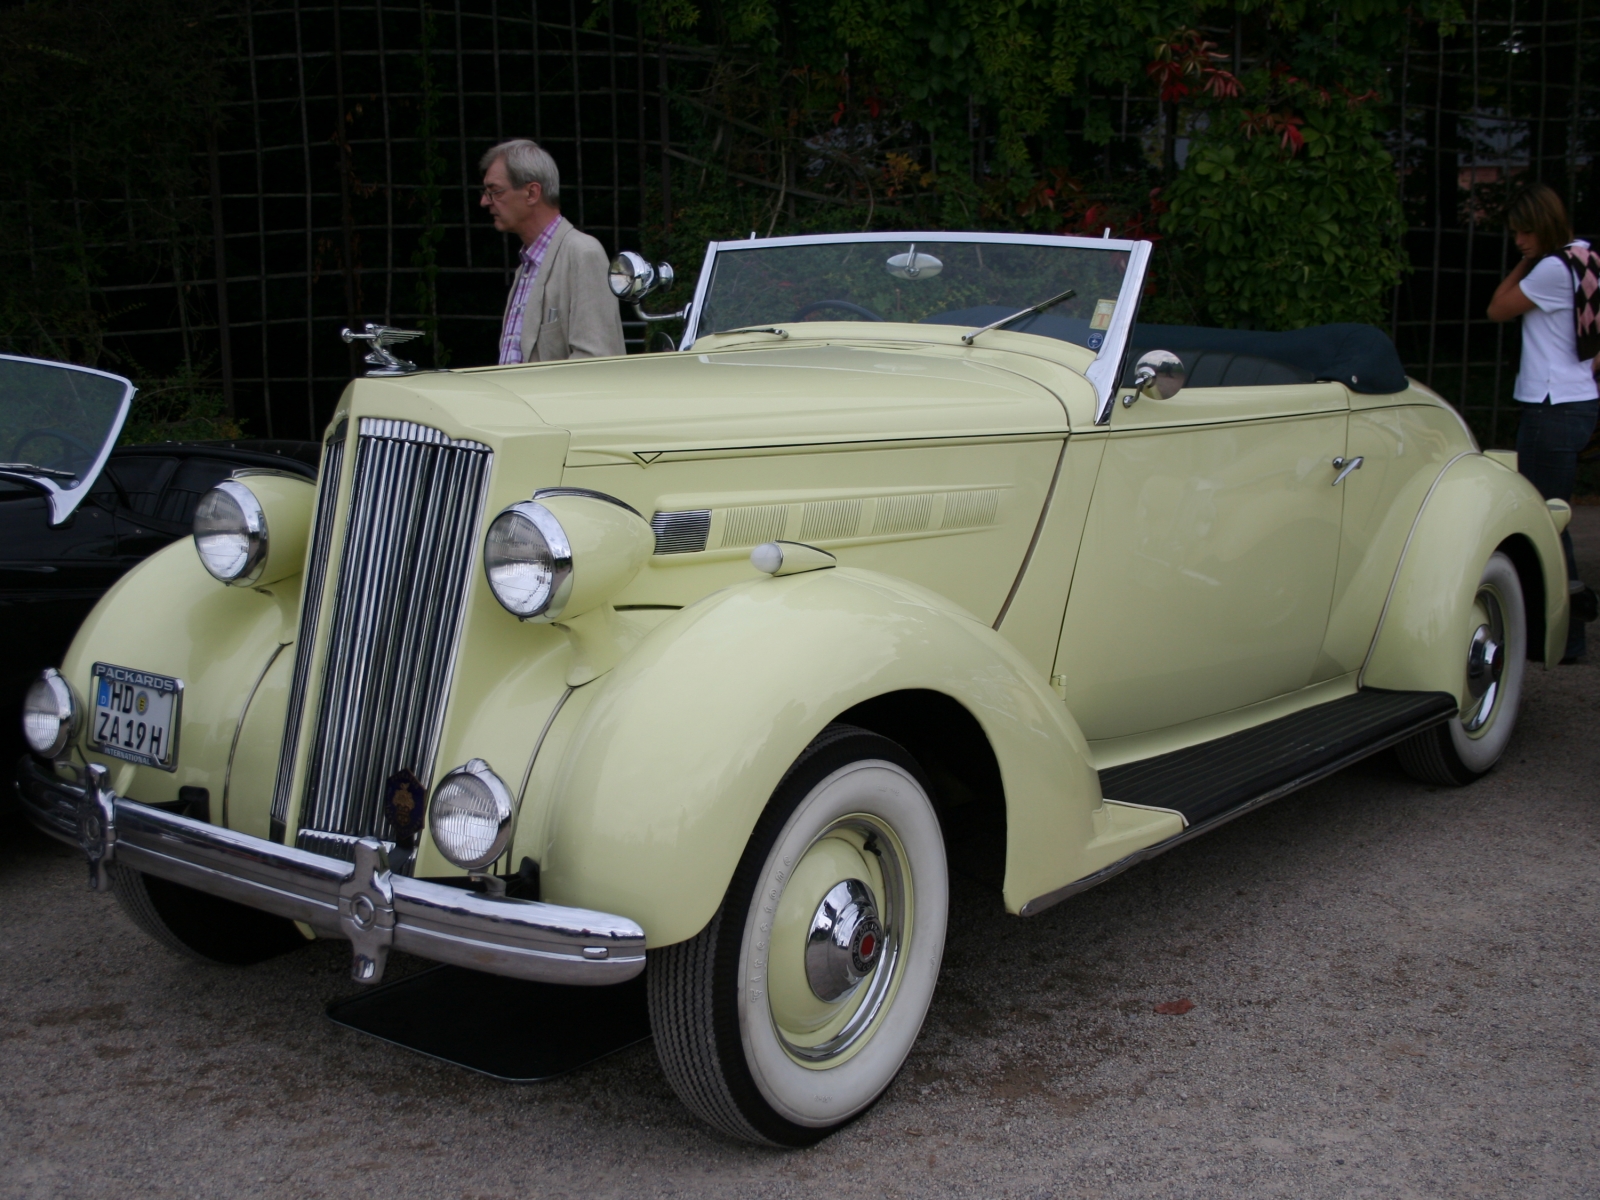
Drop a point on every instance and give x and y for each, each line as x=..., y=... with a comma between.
x=1486, y=662
x=833, y=964
x=844, y=941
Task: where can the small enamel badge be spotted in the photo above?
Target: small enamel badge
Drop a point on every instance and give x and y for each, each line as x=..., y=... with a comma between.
x=404, y=803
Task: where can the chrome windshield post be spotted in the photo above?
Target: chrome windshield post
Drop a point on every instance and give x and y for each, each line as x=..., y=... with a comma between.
x=1107, y=367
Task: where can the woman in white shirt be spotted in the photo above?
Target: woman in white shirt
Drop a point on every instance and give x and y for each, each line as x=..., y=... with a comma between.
x=1555, y=389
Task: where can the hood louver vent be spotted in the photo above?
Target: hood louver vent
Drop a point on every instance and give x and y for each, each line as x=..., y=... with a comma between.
x=681, y=532
x=908, y=515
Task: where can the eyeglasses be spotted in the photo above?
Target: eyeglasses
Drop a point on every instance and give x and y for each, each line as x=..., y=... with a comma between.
x=492, y=193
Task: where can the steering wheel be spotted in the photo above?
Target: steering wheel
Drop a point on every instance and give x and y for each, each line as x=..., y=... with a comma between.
x=65, y=438
x=815, y=305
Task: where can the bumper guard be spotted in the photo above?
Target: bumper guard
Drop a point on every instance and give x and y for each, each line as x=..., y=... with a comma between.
x=363, y=902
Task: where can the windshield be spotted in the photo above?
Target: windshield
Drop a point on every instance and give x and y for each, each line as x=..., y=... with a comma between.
x=57, y=423
x=967, y=283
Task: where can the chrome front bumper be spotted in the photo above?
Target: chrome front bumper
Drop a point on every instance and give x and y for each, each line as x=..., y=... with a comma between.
x=363, y=902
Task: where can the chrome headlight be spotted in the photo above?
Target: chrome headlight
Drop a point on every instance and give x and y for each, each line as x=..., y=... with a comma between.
x=230, y=533
x=49, y=714
x=470, y=816
x=529, y=562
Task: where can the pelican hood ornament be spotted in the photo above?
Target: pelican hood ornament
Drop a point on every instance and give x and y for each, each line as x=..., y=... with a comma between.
x=380, y=338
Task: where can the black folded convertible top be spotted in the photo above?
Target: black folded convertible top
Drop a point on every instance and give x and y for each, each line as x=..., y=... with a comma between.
x=1359, y=356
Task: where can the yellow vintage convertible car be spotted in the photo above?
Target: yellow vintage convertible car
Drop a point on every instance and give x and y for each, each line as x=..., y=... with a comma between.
x=921, y=553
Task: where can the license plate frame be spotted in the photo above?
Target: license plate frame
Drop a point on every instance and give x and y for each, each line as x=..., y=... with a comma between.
x=125, y=714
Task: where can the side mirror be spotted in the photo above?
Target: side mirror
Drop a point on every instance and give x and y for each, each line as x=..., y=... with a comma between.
x=1160, y=375
x=633, y=277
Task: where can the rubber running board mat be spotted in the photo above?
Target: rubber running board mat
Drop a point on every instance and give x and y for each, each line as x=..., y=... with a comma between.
x=1206, y=781
x=510, y=1029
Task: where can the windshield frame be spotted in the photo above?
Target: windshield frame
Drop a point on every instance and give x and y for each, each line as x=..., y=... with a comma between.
x=1103, y=373
x=64, y=500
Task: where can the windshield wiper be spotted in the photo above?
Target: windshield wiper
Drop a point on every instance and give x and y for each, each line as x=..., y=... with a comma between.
x=34, y=469
x=966, y=338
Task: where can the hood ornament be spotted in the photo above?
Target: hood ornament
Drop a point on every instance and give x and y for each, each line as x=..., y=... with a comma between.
x=380, y=338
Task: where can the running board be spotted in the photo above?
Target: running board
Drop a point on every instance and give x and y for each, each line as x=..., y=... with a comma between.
x=1214, y=782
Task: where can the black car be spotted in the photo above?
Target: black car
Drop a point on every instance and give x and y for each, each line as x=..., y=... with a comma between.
x=76, y=513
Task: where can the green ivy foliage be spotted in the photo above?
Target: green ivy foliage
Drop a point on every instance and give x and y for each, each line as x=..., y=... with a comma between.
x=1004, y=114
x=1275, y=235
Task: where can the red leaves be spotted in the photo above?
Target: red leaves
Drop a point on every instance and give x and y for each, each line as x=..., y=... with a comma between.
x=1082, y=215
x=874, y=107
x=1224, y=85
x=1189, y=58
x=1285, y=125
x=1174, y=1008
x=1185, y=68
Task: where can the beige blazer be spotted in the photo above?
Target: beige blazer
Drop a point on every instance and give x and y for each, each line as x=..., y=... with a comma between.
x=571, y=312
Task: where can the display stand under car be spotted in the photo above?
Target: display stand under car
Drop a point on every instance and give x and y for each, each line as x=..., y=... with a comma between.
x=919, y=555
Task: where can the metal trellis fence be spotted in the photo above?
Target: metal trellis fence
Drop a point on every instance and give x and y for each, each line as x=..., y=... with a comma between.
x=343, y=182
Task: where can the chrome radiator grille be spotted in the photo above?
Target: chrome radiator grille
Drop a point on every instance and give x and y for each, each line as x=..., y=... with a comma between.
x=316, y=576
x=416, y=498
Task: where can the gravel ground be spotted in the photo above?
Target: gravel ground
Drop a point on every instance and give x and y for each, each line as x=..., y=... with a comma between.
x=1394, y=994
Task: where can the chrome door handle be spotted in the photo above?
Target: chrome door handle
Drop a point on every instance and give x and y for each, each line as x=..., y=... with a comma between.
x=1344, y=466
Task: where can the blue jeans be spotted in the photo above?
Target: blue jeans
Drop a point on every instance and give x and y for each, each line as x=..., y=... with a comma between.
x=1549, y=437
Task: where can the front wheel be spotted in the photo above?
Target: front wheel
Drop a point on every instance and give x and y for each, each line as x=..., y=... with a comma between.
x=792, y=1011
x=1496, y=656
x=197, y=925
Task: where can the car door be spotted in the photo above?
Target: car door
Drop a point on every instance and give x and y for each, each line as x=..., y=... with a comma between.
x=1208, y=559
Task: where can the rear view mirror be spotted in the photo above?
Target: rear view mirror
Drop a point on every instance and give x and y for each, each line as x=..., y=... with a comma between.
x=1160, y=375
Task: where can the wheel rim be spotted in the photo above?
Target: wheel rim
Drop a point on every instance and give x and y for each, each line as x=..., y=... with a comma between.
x=841, y=925
x=1486, y=662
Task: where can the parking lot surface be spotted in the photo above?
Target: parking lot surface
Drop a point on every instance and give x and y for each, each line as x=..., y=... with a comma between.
x=1394, y=990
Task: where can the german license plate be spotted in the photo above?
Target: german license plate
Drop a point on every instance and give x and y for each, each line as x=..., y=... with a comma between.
x=135, y=716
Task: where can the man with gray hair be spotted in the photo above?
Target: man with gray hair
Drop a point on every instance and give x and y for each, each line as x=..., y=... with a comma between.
x=561, y=304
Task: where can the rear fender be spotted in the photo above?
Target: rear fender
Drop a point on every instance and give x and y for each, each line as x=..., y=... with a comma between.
x=682, y=745
x=1476, y=507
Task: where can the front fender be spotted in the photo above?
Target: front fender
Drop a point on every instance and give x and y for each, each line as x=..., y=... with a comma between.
x=169, y=617
x=1476, y=506
x=682, y=744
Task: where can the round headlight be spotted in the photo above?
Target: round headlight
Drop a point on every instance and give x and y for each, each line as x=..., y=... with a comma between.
x=470, y=816
x=230, y=533
x=49, y=715
x=529, y=562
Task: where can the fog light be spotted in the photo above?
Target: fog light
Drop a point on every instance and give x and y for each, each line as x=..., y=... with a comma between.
x=49, y=714
x=470, y=816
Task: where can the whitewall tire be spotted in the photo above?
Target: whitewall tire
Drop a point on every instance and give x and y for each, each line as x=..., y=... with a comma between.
x=793, y=1011
x=1494, y=660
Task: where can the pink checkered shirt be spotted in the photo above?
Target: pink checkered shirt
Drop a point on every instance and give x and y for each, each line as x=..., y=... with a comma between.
x=532, y=259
